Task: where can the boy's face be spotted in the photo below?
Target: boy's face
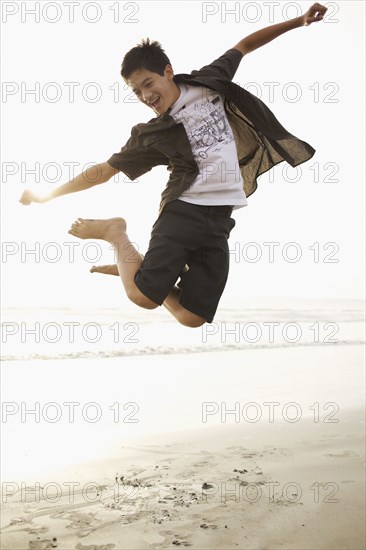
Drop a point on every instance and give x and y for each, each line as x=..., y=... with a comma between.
x=155, y=91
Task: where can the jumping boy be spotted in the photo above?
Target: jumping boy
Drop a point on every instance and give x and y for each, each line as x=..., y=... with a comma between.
x=216, y=139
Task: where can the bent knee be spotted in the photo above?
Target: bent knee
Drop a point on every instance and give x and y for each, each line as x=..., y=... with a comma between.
x=136, y=296
x=191, y=320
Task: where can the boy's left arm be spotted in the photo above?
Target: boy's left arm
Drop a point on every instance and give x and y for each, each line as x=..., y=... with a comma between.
x=263, y=36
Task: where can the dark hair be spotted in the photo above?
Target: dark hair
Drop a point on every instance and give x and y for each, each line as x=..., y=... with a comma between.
x=146, y=55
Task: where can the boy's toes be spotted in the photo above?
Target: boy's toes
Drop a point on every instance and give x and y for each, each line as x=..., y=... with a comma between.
x=105, y=269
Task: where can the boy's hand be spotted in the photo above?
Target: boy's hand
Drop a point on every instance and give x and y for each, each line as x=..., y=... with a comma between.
x=315, y=13
x=28, y=197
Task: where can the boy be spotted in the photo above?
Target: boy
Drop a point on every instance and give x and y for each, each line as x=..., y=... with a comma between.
x=216, y=139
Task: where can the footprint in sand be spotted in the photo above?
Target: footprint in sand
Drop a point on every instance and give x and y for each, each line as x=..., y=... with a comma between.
x=44, y=544
x=251, y=455
x=284, y=502
x=181, y=542
x=177, y=540
x=78, y=520
x=200, y=464
x=251, y=483
x=208, y=526
x=36, y=530
x=160, y=518
x=17, y=521
x=342, y=454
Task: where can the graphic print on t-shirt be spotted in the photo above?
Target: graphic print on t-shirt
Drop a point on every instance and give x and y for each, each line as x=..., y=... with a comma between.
x=219, y=180
x=206, y=125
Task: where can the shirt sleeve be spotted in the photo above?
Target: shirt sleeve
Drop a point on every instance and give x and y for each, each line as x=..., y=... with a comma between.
x=134, y=159
x=224, y=66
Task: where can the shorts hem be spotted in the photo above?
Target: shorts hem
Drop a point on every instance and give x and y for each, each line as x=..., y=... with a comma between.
x=193, y=309
x=150, y=295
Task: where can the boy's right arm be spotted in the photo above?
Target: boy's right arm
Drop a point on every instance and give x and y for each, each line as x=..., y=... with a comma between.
x=100, y=173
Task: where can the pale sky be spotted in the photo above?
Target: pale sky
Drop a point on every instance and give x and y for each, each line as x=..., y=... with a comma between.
x=312, y=78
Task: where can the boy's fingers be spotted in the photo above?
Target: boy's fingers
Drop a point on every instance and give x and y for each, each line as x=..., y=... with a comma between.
x=319, y=7
x=317, y=10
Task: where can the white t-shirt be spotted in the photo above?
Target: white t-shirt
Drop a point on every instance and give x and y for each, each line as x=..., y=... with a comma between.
x=219, y=181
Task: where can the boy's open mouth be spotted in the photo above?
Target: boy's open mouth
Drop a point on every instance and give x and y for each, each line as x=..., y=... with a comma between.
x=154, y=104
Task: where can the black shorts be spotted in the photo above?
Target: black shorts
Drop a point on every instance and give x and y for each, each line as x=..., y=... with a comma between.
x=190, y=234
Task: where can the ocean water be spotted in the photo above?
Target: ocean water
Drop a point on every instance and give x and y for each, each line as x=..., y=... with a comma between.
x=56, y=333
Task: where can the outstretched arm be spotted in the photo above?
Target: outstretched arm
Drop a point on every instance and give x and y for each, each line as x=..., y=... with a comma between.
x=263, y=36
x=94, y=175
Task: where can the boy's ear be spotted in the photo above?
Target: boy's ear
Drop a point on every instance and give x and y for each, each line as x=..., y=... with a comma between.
x=169, y=73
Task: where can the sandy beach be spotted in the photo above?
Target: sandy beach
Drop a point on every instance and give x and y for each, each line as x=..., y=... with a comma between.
x=273, y=487
x=190, y=472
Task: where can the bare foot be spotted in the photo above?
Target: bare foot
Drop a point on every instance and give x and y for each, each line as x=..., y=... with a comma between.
x=107, y=230
x=107, y=269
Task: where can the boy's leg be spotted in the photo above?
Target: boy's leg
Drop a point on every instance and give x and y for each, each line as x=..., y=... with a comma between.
x=128, y=258
x=129, y=261
x=183, y=315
